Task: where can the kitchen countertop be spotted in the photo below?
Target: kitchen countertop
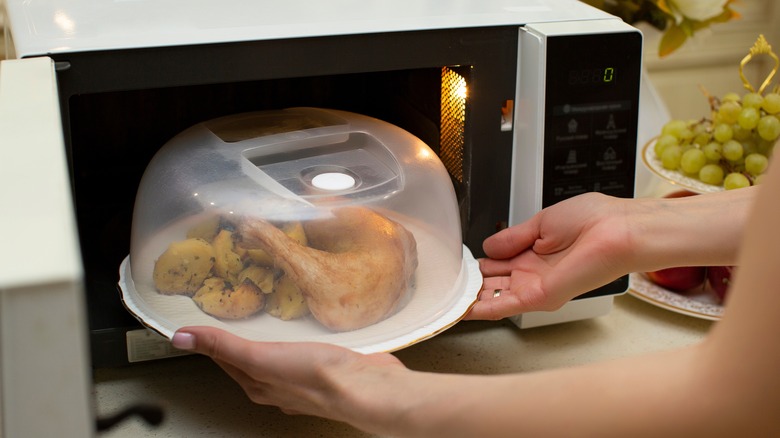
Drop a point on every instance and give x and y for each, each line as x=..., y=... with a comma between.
x=199, y=400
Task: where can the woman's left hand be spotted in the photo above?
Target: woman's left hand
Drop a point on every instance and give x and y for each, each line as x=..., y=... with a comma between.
x=301, y=377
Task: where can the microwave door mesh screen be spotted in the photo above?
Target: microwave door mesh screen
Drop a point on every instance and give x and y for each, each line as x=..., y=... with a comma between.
x=453, y=122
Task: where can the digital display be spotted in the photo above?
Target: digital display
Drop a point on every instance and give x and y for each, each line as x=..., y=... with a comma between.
x=593, y=76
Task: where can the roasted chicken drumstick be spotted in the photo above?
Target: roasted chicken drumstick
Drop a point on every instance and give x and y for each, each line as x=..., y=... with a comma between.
x=356, y=269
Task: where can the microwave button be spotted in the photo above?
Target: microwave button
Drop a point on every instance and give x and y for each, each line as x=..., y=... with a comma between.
x=613, y=187
x=610, y=159
x=571, y=129
x=611, y=126
x=570, y=162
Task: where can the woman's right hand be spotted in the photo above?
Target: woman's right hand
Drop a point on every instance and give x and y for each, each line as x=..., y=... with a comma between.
x=563, y=251
x=587, y=241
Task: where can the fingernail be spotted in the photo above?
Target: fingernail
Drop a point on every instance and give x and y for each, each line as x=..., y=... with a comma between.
x=183, y=341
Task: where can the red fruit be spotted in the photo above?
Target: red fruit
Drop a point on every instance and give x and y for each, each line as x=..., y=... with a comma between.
x=679, y=279
x=679, y=194
x=719, y=278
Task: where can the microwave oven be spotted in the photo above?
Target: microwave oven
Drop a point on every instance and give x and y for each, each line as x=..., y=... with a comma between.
x=526, y=102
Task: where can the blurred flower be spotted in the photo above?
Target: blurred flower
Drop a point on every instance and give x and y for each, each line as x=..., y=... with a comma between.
x=699, y=10
x=677, y=19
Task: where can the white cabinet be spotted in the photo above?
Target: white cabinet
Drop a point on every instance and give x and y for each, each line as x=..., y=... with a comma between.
x=43, y=335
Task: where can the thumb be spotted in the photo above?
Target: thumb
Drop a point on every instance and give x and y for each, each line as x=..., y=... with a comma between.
x=511, y=241
x=213, y=342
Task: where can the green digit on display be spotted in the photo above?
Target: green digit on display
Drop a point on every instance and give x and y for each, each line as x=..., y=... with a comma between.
x=609, y=74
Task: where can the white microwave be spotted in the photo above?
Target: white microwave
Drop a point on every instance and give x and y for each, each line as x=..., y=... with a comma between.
x=545, y=96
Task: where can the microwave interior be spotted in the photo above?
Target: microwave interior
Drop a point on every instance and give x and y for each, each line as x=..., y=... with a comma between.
x=447, y=87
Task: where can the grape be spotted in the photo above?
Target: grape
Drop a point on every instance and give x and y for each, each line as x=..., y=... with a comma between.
x=749, y=146
x=735, y=180
x=685, y=135
x=698, y=127
x=729, y=111
x=766, y=148
x=771, y=103
x=732, y=150
x=752, y=100
x=723, y=132
x=671, y=157
x=692, y=161
x=769, y=128
x=711, y=174
x=741, y=133
x=675, y=128
x=713, y=151
x=702, y=138
x=663, y=142
x=755, y=164
x=748, y=117
x=759, y=179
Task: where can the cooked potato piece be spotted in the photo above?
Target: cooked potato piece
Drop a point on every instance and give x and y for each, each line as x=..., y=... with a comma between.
x=260, y=276
x=205, y=230
x=286, y=302
x=292, y=229
x=182, y=268
x=296, y=232
x=218, y=299
x=227, y=264
x=259, y=257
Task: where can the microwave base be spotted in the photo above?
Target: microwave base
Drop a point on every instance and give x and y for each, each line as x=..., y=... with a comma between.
x=576, y=310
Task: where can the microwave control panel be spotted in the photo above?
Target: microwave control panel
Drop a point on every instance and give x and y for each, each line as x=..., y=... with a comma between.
x=591, y=113
x=576, y=113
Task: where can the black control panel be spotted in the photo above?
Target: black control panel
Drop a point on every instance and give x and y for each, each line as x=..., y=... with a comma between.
x=591, y=114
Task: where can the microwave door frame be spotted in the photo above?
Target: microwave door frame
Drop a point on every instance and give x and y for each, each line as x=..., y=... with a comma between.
x=43, y=338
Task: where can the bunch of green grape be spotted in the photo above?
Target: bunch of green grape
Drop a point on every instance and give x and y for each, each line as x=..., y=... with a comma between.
x=732, y=148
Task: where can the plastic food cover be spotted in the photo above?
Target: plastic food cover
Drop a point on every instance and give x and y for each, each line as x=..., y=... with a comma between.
x=299, y=224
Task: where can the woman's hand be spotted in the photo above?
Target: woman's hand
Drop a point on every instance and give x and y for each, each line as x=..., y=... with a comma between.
x=302, y=378
x=563, y=251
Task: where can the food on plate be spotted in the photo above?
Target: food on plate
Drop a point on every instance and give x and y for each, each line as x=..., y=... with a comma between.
x=260, y=276
x=219, y=274
x=679, y=279
x=227, y=263
x=356, y=269
x=348, y=270
x=730, y=147
x=287, y=301
x=221, y=299
x=719, y=279
x=293, y=229
x=679, y=194
x=206, y=230
x=183, y=267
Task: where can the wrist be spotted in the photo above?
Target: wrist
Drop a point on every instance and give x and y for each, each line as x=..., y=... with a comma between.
x=692, y=231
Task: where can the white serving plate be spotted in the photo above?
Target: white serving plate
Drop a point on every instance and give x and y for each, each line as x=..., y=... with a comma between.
x=653, y=163
x=698, y=303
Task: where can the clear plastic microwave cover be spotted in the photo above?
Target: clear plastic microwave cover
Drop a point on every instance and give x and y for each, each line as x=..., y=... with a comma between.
x=301, y=224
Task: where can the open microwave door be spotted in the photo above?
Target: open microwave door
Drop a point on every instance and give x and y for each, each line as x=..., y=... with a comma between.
x=43, y=338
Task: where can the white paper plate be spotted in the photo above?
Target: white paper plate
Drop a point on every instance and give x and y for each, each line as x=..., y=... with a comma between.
x=700, y=304
x=429, y=310
x=654, y=164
